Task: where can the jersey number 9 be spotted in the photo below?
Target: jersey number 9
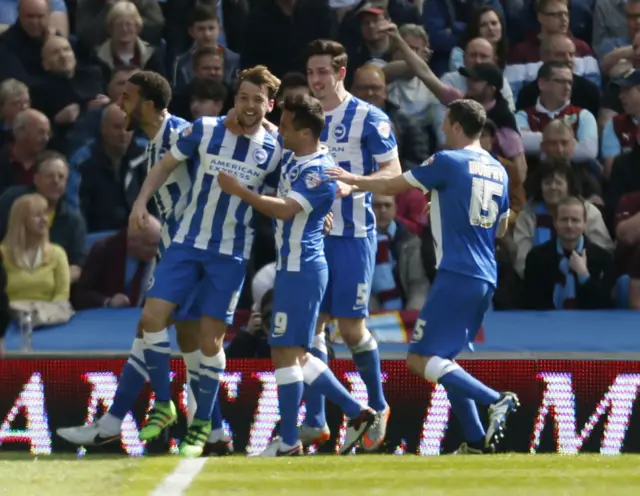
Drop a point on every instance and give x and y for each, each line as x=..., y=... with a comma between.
x=483, y=199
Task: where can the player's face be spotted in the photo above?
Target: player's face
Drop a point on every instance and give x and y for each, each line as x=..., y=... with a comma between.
x=290, y=136
x=131, y=104
x=570, y=222
x=555, y=188
x=252, y=104
x=322, y=78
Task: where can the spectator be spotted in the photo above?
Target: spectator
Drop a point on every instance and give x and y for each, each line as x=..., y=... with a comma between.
x=66, y=226
x=410, y=210
x=619, y=134
x=21, y=45
x=553, y=181
x=615, y=25
x=208, y=98
x=369, y=85
x=486, y=23
x=568, y=272
x=37, y=270
x=399, y=281
x=374, y=45
x=555, y=81
x=92, y=24
x=118, y=270
x=124, y=47
x=65, y=90
x=112, y=176
x=553, y=16
x=14, y=98
x=559, y=142
x=555, y=48
x=58, y=20
x=409, y=92
x=289, y=25
x=445, y=21
x=31, y=131
x=5, y=318
x=204, y=28
x=254, y=342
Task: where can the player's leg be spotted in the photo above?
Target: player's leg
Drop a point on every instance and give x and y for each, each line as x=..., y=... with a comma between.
x=219, y=294
x=107, y=429
x=174, y=277
x=351, y=288
x=440, y=334
x=188, y=334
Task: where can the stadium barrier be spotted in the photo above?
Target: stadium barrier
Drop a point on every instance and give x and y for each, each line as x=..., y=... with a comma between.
x=568, y=406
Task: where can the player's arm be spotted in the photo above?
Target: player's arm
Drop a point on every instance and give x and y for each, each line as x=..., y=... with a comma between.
x=503, y=227
x=157, y=176
x=387, y=186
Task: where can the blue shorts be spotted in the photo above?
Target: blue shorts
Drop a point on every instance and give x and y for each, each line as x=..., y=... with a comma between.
x=451, y=316
x=351, y=262
x=296, y=304
x=187, y=276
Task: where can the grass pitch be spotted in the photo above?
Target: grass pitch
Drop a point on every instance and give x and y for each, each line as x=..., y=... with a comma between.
x=389, y=475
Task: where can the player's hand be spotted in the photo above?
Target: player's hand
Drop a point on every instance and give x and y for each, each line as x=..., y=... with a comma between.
x=270, y=127
x=139, y=217
x=390, y=29
x=339, y=174
x=578, y=263
x=328, y=224
x=228, y=183
x=119, y=300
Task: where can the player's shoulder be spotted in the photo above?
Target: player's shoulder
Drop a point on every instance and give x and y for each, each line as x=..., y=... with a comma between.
x=176, y=123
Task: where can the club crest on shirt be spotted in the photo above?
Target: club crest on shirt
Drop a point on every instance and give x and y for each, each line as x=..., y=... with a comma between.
x=340, y=131
x=384, y=129
x=570, y=119
x=186, y=131
x=260, y=156
x=293, y=174
x=312, y=180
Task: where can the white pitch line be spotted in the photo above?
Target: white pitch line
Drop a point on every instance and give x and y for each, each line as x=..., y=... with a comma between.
x=181, y=478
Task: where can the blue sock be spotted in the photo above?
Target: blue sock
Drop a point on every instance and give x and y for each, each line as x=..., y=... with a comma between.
x=320, y=378
x=133, y=377
x=157, y=352
x=290, y=389
x=466, y=411
x=461, y=383
x=211, y=370
x=367, y=359
x=314, y=401
x=216, y=415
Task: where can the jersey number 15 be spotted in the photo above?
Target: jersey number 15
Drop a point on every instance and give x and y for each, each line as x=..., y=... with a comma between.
x=484, y=209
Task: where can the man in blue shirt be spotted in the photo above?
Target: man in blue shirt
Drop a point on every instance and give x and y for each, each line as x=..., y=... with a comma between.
x=469, y=209
x=305, y=197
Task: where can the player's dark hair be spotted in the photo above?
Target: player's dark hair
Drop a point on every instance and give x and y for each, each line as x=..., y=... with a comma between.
x=490, y=128
x=153, y=88
x=333, y=49
x=572, y=200
x=206, y=51
x=292, y=80
x=550, y=167
x=48, y=156
x=202, y=13
x=307, y=113
x=260, y=76
x=208, y=89
x=470, y=114
x=546, y=70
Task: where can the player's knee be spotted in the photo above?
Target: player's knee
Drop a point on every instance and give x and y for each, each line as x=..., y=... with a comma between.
x=187, y=336
x=286, y=356
x=431, y=368
x=150, y=321
x=416, y=363
x=353, y=331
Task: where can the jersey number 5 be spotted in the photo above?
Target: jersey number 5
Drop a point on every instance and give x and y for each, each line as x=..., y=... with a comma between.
x=484, y=209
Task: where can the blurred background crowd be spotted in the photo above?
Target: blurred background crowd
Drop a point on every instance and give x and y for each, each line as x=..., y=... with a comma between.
x=560, y=80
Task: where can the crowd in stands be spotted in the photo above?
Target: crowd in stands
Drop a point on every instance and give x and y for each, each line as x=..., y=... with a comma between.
x=560, y=80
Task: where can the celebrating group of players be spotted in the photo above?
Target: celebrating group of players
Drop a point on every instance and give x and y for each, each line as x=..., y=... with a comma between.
x=330, y=153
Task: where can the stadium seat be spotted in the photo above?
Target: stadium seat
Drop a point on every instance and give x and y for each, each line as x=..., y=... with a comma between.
x=621, y=292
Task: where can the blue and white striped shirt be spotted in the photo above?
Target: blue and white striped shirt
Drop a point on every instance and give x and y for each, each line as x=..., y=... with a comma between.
x=300, y=240
x=359, y=136
x=173, y=195
x=214, y=220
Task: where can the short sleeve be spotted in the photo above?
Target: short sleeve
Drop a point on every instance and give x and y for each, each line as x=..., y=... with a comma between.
x=522, y=120
x=510, y=142
x=378, y=136
x=310, y=189
x=505, y=207
x=610, y=143
x=433, y=173
x=189, y=141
